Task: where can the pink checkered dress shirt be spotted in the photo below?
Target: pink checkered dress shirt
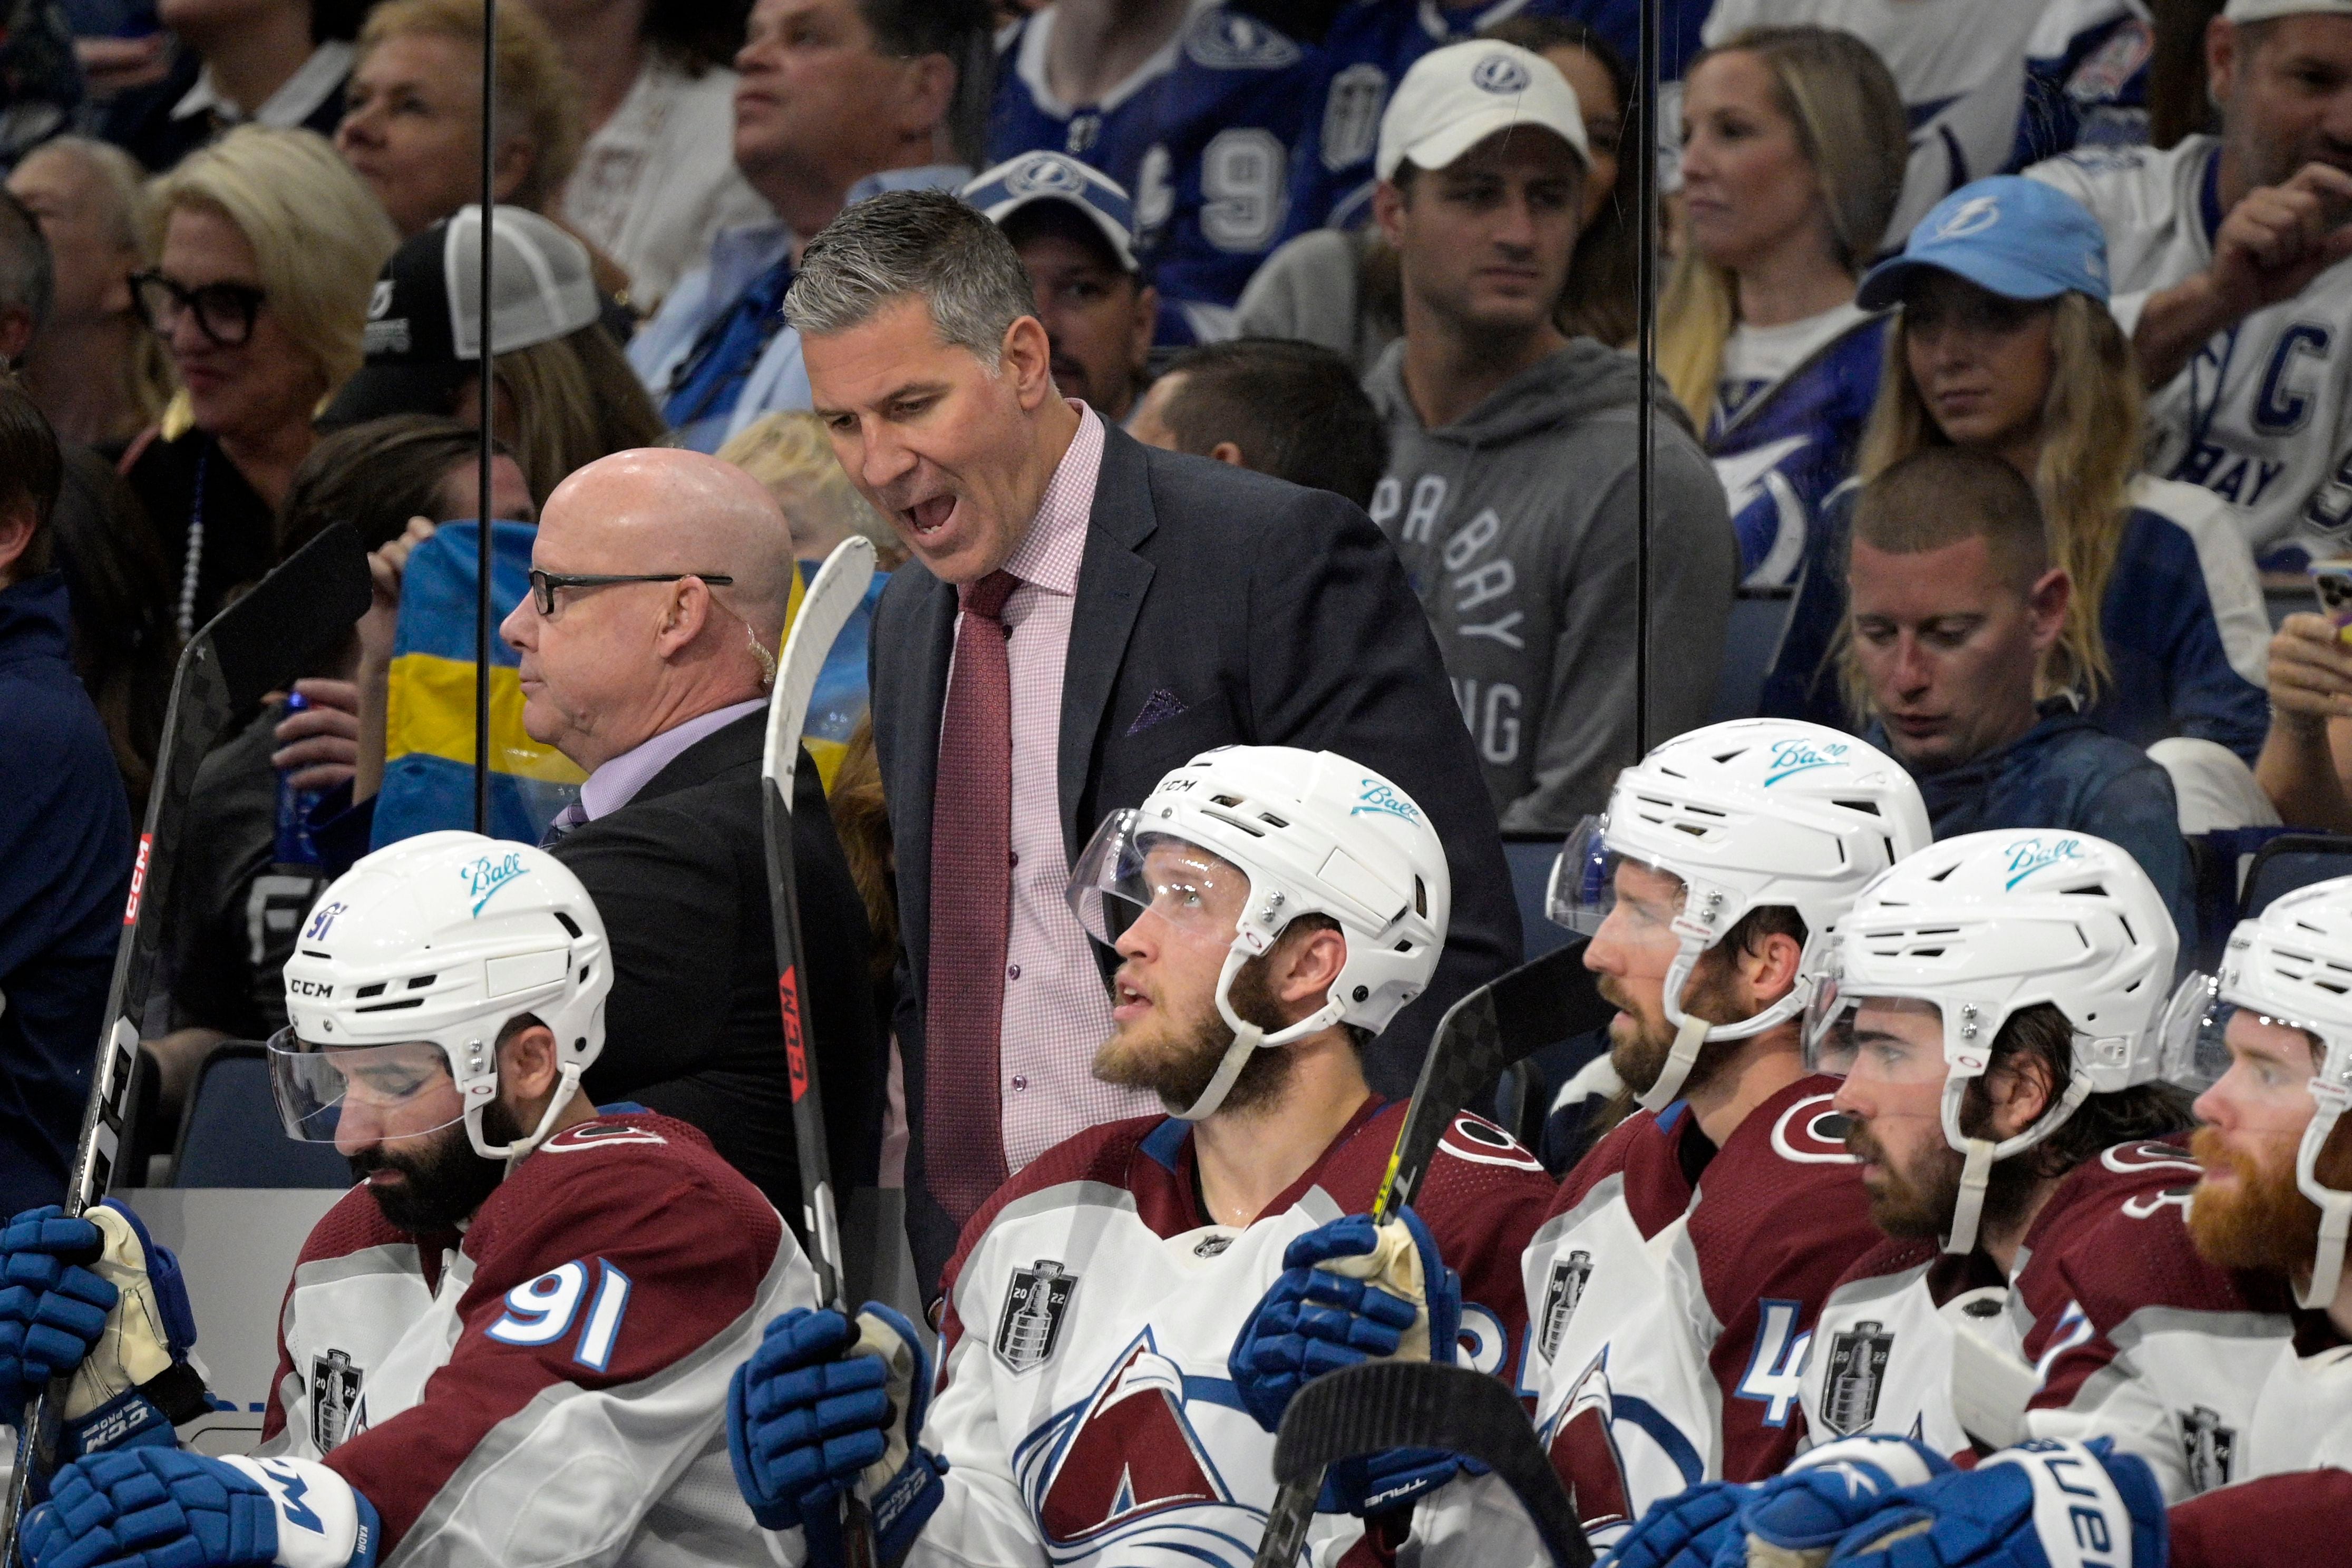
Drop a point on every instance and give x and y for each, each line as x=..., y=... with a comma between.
x=1056, y=1012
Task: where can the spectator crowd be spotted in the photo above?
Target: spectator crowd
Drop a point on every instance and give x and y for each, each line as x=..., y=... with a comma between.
x=1204, y=372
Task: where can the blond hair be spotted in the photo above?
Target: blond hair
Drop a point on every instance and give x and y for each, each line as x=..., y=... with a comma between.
x=538, y=101
x=319, y=235
x=125, y=213
x=2090, y=449
x=789, y=455
x=1851, y=126
x=574, y=400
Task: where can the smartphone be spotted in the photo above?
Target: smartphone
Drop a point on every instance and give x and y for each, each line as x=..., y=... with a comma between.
x=2332, y=581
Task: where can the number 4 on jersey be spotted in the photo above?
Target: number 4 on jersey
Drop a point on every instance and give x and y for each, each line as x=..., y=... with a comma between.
x=1776, y=1368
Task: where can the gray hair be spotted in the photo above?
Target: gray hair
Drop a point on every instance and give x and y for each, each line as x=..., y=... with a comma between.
x=909, y=243
x=27, y=281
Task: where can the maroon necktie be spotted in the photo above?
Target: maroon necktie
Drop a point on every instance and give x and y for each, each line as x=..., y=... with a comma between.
x=971, y=910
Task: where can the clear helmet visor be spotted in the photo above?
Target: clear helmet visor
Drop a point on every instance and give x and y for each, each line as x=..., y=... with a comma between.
x=2193, y=1038
x=1127, y=871
x=1828, y=1023
x=1583, y=887
x=385, y=1092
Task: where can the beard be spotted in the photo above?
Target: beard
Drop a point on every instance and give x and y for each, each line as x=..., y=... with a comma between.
x=447, y=1180
x=1639, y=1046
x=1916, y=1202
x=1177, y=1061
x=2264, y=1221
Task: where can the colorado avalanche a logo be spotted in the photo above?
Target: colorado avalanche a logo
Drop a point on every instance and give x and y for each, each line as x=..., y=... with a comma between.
x=1584, y=1451
x=1128, y=1454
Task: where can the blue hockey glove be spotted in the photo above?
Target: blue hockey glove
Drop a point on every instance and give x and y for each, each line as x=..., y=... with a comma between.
x=1350, y=1292
x=52, y=1309
x=148, y=1507
x=1687, y=1530
x=1827, y=1491
x=2041, y=1504
x=824, y=1406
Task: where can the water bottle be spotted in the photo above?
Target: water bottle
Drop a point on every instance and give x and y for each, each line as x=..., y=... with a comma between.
x=294, y=846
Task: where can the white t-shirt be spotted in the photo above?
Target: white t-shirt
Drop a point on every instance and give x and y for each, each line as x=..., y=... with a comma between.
x=1756, y=358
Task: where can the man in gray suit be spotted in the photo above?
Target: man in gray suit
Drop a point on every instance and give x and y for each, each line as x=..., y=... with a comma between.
x=1109, y=610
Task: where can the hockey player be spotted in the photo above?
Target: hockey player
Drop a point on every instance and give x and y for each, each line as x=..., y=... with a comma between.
x=1198, y=124
x=510, y=1342
x=2225, y=253
x=1270, y=908
x=1668, y=1312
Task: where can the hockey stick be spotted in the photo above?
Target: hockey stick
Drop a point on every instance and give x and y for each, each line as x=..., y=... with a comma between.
x=1383, y=1404
x=1547, y=999
x=257, y=645
x=838, y=589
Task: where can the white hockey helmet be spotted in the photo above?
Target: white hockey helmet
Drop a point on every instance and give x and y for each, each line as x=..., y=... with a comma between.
x=430, y=945
x=1315, y=834
x=2291, y=963
x=1987, y=925
x=1755, y=813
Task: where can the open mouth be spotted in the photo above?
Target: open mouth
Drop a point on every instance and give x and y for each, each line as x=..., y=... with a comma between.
x=927, y=517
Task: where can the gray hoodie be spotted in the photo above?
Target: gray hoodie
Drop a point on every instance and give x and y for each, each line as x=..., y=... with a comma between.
x=1518, y=528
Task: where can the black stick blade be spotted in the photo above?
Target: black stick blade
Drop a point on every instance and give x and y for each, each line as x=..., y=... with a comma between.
x=1485, y=1032
x=269, y=636
x=1383, y=1404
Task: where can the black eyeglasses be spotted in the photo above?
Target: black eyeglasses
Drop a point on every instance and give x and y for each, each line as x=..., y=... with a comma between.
x=543, y=584
x=224, y=312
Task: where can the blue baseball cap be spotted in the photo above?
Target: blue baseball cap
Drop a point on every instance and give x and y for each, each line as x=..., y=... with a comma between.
x=1036, y=177
x=2013, y=236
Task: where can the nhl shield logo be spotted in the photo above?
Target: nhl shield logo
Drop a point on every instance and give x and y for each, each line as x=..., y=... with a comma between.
x=2208, y=1446
x=1857, y=1372
x=1029, y=1325
x=1565, y=1289
x=334, y=1395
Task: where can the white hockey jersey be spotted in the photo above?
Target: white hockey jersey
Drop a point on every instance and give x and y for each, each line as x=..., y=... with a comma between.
x=2263, y=415
x=1086, y=1409
x=1671, y=1305
x=2112, y=1327
x=552, y=1389
x=1959, y=64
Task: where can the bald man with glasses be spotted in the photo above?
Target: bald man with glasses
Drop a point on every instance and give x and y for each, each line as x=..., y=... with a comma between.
x=658, y=585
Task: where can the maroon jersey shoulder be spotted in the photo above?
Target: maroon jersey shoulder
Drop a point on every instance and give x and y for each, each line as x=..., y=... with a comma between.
x=2271, y=1522
x=1105, y=1153
x=1645, y=1150
x=356, y=1223
x=1781, y=1210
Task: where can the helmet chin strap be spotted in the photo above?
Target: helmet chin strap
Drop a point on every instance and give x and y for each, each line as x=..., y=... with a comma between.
x=1691, y=1034
x=1980, y=1154
x=2335, y=1207
x=567, y=1084
x=1247, y=1036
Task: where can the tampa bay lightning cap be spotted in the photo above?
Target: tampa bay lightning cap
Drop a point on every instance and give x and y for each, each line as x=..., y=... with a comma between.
x=2010, y=236
x=1036, y=177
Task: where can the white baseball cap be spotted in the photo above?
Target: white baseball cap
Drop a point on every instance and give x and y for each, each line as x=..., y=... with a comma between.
x=2264, y=10
x=1456, y=97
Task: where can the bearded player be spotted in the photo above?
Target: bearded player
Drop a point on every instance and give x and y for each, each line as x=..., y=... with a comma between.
x=508, y=1345
x=1270, y=910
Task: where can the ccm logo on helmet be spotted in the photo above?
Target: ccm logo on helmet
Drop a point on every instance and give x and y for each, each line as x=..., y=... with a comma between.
x=309, y=988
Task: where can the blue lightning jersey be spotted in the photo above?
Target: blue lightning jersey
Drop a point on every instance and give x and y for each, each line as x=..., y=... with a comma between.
x=1789, y=441
x=2086, y=80
x=1201, y=136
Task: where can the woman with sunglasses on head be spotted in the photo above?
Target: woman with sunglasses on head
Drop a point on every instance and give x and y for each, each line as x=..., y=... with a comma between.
x=2004, y=345
x=269, y=249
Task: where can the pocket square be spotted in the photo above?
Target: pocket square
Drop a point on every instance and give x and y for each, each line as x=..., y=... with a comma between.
x=1163, y=705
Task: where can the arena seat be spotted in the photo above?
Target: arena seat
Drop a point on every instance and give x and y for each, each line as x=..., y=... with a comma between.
x=2291, y=860
x=1530, y=855
x=1751, y=639
x=230, y=1135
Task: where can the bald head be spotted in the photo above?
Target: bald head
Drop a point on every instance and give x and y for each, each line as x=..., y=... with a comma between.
x=613, y=664
x=672, y=510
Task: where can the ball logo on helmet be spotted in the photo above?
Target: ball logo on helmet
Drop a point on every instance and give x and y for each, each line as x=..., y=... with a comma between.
x=485, y=876
x=1802, y=755
x=2027, y=856
x=1381, y=799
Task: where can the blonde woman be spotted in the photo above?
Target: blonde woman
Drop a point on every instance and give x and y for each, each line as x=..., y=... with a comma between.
x=267, y=249
x=1793, y=149
x=789, y=455
x=95, y=370
x=2004, y=346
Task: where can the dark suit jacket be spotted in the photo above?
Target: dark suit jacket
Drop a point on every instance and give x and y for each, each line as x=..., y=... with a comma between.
x=1275, y=616
x=693, y=1027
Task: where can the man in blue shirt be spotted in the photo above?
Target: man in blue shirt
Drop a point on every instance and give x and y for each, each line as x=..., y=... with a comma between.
x=1953, y=605
x=839, y=99
x=65, y=833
